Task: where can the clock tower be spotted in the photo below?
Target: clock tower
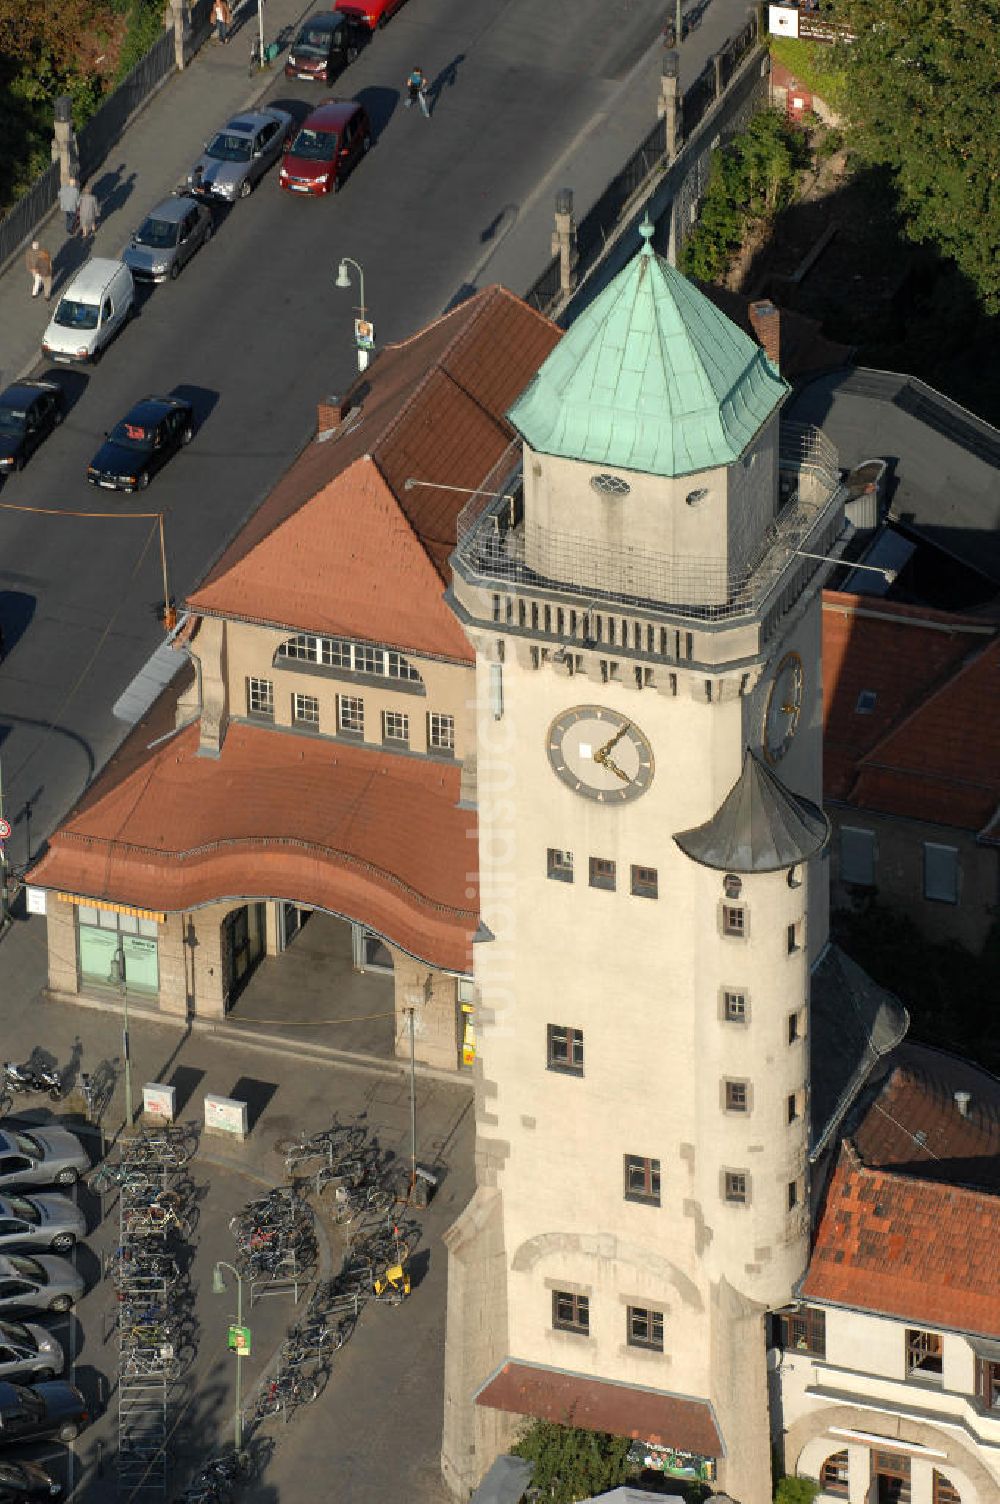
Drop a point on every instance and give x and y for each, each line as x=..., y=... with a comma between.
x=641, y=588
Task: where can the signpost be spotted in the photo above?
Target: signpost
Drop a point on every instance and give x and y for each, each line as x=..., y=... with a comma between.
x=240, y=1340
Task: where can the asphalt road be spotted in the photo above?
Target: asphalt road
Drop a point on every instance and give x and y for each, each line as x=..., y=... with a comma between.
x=254, y=332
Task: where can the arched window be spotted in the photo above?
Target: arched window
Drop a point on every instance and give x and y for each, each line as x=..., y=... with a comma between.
x=833, y=1475
x=342, y=656
x=945, y=1492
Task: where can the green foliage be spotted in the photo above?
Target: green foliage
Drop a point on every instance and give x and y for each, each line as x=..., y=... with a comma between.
x=750, y=178
x=796, y=1491
x=923, y=101
x=145, y=27
x=571, y=1463
x=823, y=69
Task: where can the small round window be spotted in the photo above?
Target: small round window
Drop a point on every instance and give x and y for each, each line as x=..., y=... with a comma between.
x=695, y=498
x=610, y=485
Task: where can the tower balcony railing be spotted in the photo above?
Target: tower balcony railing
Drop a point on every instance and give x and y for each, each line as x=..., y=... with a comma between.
x=495, y=541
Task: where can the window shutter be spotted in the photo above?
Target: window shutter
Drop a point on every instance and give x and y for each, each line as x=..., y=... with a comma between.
x=857, y=856
x=940, y=872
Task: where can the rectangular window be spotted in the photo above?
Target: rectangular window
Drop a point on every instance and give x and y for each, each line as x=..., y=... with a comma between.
x=645, y=1328
x=260, y=697
x=368, y=660
x=940, y=873
x=565, y=1049
x=560, y=865
x=793, y=1107
x=496, y=691
x=645, y=882
x=923, y=1354
x=800, y=1329
x=988, y=1383
x=441, y=732
x=571, y=1313
x=305, y=711
x=736, y=1187
x=396, y=727
x=734, y=920
x=793, y=1027
x=642, y=1179
x=793, y=938
x=351, y=715
x=737, y=1096
x=857, y=856
x=793, y=1195
x=602, y=873
x=734, y=1007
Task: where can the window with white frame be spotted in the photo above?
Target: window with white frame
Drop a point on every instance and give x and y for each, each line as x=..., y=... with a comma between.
x=734, y=1006
x=395, y=727
x=441, y=732
x=351, y=715
x=354, y=657
x=857, y=856
x=940, y=873
x=305, y=711
x=559, y=865
x=260, y=697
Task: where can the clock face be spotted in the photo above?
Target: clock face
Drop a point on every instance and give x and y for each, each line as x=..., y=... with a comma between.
x=784, y=707
x=600, y=754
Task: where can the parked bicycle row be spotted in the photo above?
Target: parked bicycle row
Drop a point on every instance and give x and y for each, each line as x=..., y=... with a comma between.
x=275, y=1236
x=347, y=1159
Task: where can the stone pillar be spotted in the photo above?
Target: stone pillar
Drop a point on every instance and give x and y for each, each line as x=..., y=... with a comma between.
x=64, y=146
x=564, y=240
x=209, y=647
x=178, y=17
x=669, y=103
x=60, y=925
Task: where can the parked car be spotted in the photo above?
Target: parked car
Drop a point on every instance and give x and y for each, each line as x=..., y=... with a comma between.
x=37, y=1283
x=40, y=1156
x=40, y=1222
x=29, y=410
x=138, y=446
x=94, y=308
x=28, y=1352
x=57, y=1409
x=372, y=12
x=333, y=139
x=236, y=159
x=26, y=1480
x=326, y=43
x=167, y=238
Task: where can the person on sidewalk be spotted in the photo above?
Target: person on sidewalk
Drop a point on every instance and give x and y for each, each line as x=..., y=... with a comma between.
x=39, y=264
x=69, y=203
x=222, y=19
x=417, y=88
x=89, y=212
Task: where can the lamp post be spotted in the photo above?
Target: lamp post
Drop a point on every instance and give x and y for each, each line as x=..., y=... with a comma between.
x=118, y=975
x=219, y=1288
x=362, y=328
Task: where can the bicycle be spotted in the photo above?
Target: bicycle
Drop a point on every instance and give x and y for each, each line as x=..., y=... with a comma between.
x=285, y=1391
x=260, y=60
x=155, y=1218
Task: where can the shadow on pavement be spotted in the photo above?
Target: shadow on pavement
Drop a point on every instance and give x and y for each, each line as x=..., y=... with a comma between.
x=381, y=106
x=186, y=1078
x=446, y=79
x=112, y=190
x=256, y=1094
x=202, y=398
x=72, y=383
x=17, y=608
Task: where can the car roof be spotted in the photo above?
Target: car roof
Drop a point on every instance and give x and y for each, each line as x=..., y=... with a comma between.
x=93, y=277
x=20, y=393
x=249, y=121
x=172, y=209
x=151, y=409
x=332, y=113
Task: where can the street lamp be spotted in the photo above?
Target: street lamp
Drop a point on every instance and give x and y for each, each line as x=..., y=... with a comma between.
x=118, y=974
x=363, y=330
x=219, y=1288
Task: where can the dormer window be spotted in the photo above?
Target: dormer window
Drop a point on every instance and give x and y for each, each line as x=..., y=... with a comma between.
x=348, y=657
x=609, y=485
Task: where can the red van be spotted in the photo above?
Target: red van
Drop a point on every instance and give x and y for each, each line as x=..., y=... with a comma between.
x=332, y=139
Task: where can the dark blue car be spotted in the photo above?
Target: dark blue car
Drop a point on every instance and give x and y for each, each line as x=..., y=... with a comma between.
x=138, y=446
x=29, y=410
x=28, y=1413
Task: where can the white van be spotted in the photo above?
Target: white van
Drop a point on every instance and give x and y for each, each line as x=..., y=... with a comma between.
x=94, y=306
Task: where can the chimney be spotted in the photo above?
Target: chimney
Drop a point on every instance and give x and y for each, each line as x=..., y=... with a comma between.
x=765, y=320
x=331, y=412
x=962, y=1100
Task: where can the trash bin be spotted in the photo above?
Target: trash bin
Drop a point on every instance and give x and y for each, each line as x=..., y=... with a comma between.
x=424, y=1186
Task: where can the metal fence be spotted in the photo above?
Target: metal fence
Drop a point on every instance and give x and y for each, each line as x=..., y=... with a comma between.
x=603, y=216
x=28, y=212
x=105, y=128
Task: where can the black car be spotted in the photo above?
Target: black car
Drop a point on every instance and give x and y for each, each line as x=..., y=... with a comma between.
x=25, y=1480
x=326, y=43
x=28, y=1413
x=29, y=410
x=141, y=444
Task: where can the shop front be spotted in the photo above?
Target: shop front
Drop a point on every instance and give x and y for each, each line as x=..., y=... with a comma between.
x=116, y=947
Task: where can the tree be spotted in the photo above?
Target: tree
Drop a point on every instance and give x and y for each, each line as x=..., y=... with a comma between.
x=922, y=99
x=796, y=1491
x=571, y=1463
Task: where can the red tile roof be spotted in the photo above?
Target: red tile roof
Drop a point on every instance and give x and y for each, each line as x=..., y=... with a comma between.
x=930, y=747
x=370, y=835
x=596, y=1405
x=924, y=1252
x=431, y=408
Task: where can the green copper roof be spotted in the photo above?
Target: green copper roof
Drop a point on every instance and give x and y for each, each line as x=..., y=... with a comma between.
x=651, y=377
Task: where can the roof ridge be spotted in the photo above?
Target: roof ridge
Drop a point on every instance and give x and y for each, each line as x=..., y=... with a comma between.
x=948, y=678
x=909, y=612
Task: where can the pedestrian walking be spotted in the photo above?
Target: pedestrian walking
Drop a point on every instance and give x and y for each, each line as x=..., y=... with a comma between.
x=222, y=19
x=417, y=88
x=69, y=203
x=89, y=212
x=39, y=264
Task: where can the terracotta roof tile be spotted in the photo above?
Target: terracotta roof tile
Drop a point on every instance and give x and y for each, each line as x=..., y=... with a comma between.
x=354, y=830
x=623, y=1409
x=923, y=1252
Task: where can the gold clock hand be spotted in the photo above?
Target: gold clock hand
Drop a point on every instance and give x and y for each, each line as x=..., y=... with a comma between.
x=603, y=752
x=613, y=767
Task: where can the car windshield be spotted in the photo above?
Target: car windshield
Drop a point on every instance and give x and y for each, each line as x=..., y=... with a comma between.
x=29, y=1401
x=11, y=421
x=28, y=1267
x=28, y=1145
x=73, y=315
x=315, y=42
x=158, y=233
x=227, y=148
x=132, y=434
x=315, y=146
x=15, y=1332
x=21, y=1207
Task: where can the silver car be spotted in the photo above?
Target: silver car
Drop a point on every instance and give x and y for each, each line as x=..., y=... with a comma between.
x=236, y=159
x=53, y=1222
x=167, y=238
x=43, y=1283
x=29, y=1353
x=40, y=1156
